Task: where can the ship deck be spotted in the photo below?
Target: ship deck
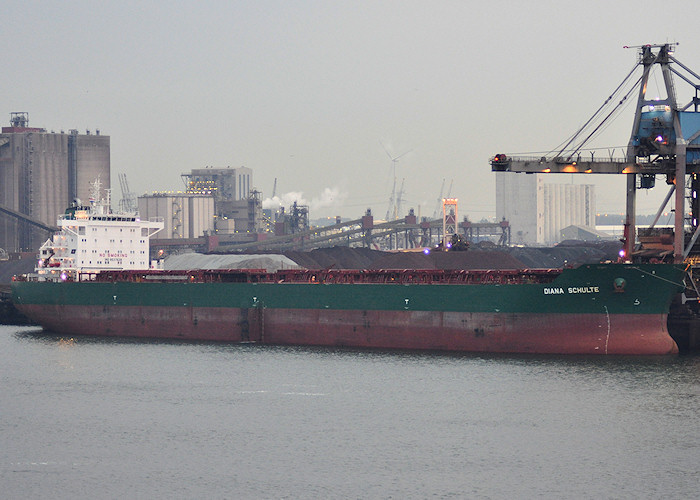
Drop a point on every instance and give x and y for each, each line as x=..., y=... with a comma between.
x=333, y=276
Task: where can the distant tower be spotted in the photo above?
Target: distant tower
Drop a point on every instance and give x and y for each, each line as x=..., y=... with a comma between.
x=538, y=211
x=237, y=206
x=41, y=174
x=449, y=220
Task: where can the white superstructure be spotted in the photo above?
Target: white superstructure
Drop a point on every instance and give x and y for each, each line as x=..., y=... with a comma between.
x=92, y=238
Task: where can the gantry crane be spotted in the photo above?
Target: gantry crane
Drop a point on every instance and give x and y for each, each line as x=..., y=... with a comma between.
x=665, y=140
x=128, y=202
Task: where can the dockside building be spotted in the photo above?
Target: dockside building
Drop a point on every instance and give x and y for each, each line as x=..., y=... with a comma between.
x=538, y=211
x=41, y=173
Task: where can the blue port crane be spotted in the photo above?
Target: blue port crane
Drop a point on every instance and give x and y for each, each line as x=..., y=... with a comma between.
x=665, y=140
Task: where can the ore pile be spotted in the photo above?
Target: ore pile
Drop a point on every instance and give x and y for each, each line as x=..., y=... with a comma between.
x=565, y=254
x=477, y=259
x=336, y=258
x=568, y=253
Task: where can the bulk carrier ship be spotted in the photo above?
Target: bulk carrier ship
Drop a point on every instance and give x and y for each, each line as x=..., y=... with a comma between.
x=592, y=309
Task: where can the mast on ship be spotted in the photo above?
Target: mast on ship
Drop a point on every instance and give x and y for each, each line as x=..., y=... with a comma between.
x=99, y=205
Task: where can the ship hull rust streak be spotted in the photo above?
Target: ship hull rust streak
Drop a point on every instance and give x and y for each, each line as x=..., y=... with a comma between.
x=448, y=331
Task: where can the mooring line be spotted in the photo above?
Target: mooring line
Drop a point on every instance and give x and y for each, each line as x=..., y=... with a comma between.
x=658, y=277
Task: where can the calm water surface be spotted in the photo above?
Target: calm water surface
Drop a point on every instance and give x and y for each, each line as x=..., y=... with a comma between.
x=91, y=418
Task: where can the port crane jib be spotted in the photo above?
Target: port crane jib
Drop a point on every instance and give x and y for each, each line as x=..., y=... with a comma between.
x=665, y=140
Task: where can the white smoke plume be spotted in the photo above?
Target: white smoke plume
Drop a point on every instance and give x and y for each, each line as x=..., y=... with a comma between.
x=329, y=198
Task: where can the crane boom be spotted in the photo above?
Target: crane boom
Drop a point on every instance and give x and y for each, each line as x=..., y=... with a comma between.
x=665, y=140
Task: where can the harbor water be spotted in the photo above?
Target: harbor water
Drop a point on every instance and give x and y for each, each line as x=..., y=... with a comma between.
x=87, y=417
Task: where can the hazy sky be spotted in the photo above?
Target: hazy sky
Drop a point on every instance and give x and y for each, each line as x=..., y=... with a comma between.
x=312, y=92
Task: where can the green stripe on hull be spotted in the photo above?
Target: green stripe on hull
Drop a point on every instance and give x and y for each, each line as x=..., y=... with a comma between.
x=612, y=288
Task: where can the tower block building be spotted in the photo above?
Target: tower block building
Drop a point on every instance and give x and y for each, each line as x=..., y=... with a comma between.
x=41, y=173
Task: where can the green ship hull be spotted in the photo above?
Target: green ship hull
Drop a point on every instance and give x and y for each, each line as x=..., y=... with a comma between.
x=596, y=309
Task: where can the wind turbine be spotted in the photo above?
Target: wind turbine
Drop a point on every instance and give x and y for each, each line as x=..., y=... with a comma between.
x=393, y=208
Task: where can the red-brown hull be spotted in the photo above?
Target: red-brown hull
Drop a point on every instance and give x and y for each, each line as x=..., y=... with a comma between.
x=637, y=334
